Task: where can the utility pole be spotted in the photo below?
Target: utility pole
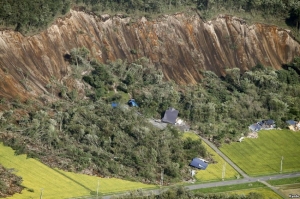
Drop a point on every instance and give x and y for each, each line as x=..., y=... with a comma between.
x=223, y=171
x=41, y=196
x=97, y=189
x=281, y=164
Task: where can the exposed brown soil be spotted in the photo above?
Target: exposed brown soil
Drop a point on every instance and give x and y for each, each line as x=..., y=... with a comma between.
x=182, y=45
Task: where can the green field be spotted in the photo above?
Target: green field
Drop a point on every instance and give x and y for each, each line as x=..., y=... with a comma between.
x=242, y=189
x=57, y=183
x=265, y=192
x=263, y=155
x=213, y=171
x=295, y=180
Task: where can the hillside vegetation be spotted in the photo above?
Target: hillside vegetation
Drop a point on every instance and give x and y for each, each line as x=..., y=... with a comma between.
x=264, y=154
x=83, y=132
x=27, y=15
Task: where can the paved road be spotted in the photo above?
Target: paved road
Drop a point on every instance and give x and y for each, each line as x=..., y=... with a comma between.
x=225, y=157
x=222, y=183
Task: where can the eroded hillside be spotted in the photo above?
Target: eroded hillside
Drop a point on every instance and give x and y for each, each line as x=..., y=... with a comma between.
x=181, y=44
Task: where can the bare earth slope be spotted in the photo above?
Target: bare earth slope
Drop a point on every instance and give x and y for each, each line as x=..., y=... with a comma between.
x=181, y=45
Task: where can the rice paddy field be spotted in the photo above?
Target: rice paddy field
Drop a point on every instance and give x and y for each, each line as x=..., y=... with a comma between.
x=54, y=183
x=214, y=171
x=242, y=189
x=263, y=155
x=265, y=192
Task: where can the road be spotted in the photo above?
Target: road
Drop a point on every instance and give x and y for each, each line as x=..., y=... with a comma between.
x=221, y=183
x=245, y=179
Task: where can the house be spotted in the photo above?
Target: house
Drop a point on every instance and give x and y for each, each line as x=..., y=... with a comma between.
x=254, y=127
x=293, y=125
x=132, y=103
x=268, y=124
x=198, y=163
x=170, y=116
x=262, y=125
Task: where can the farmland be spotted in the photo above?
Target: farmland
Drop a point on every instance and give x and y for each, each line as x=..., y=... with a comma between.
x=242, y=189
x=213, y=171
x=54, y=183
x=263, y=155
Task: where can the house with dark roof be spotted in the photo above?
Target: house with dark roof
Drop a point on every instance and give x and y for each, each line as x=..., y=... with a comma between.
x=170, y=116
x=262, y=125
x=199, y=163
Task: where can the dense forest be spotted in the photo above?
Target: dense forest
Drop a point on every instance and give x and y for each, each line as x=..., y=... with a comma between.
x=28, y=15
x=83, y=132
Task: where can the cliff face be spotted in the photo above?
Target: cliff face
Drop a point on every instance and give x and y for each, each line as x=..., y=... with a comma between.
x=181, y=45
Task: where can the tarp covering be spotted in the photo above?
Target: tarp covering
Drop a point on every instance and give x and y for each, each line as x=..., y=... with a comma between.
x=199, y=164
x=170, y=116
x=114, y=104
x=132, y=102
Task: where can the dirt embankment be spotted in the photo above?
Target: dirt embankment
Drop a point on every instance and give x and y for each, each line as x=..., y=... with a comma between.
x=181, y=45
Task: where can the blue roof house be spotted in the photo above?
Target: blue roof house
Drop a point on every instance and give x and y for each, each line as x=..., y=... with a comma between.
x=198, y=163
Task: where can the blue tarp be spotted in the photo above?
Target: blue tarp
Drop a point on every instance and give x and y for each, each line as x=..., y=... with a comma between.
x=114, y=104
x=291, y=122
x=170, y=116
x=199, y=164
x=132, y=102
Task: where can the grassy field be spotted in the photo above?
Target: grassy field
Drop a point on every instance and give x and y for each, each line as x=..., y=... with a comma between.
x=213, y=171
x=228, y=188
x=263, y=155
x=284, y=181
x=242, y=189
x=55, y=183
x=265, y=192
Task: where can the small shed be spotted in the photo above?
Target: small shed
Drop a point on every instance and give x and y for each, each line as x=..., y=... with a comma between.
x=198, y=163
x=170, y=116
